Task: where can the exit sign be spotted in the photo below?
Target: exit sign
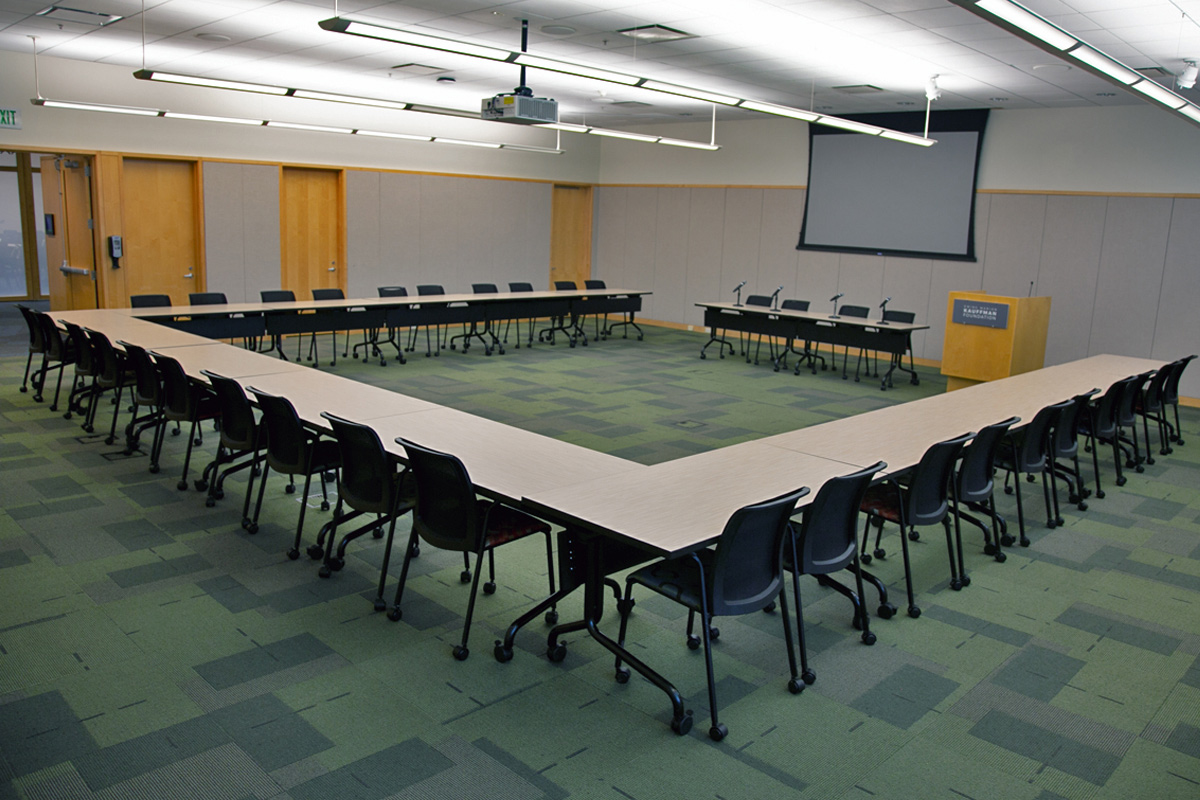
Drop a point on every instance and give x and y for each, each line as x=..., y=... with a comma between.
x=10, y=118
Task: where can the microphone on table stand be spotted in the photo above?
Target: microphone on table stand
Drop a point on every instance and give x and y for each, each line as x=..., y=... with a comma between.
x=883, y=310
x=834, y=300
x=1031, y=288
x=775, y=299
x=738, y=289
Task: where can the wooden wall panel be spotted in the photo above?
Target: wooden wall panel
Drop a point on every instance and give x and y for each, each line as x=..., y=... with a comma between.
x=1130, y=275
x=1068, y=272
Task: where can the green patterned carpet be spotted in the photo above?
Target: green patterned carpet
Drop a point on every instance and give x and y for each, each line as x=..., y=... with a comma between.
x=150, y=648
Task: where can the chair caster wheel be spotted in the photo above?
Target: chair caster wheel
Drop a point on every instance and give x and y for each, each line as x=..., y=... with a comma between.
x=718, y=732
x=625, y=606
x=956, y=585
x=682, y=725
x=989, y=549
x=1008, y=490
x=1007, y=541
x=181, y=486
x=796, y=686
x=324, y=572
x=880, y=552
x=379, y=604
x=693, y=642
x=1121, y=480
x=886, y=611
x=289, y=489
x=1024, y=541
x=377, y=534
x=769, y=608
x=557, y=653
x=914, y=536
x=336, y=563
x=502, y=653
x=465, y=576
x=966, y=580
x=489, y=588
x=154, y=468
x=809, y=677
x=209, y=502
x=551, y=617
x=1139, y=468
x=315, y=551
x=621, y=675
x=714, y=633
x=219, y=494
x=868, y=638
x=108, y=440
x=1001, y=557
x=293, y=554
x=1081, y=505
x=865, y=558
x=1100, y=493
x=252, y=528
x=201, y=485
x=395, y=614
x=914, y=611
x=324, y=505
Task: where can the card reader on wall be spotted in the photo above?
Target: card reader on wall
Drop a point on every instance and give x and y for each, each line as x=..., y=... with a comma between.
x=114, y=251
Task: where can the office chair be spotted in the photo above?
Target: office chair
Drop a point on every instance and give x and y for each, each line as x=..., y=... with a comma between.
x=1151, y=405
x=975, y=484
x=1027, y=451
x=742, y=574
x=605, y=330
x=83, y=384
x=184, y=400
x=1099, y=424
x=313, y=354
x=37, y=346
x=760, y=301
x=58, y=355
x=448, y=515
x=279, y=296
x=809, y=354
x=428, y=290
x=1064, y=445
x=471, y=329
x=514, y=287
x=1127, y=419
x=370, y=484
x=238, y=447
x=149, y=300
x=559, y=323
x=858, y=312
x=897, y=359
x=922, y=497
x=824, y=542
x=292, y=450
x=1171, y=397
x=114, y=374
x=371, y=337
x=207, y=299
x=148, y=396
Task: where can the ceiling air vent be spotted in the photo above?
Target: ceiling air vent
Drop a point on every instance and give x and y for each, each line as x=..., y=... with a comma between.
x=97, y=19
x=858, y=88
x=655, y=33
x=414, y=70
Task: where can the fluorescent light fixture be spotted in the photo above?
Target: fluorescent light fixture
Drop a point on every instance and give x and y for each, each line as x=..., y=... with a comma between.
x=387, y=135
x=1191, y=111
x=531, y=148
x=578, y=70
x=210, y=118
x=850, y=125
x=683, y=91
x=1021, y=17
x=131, y=110
x=634, y=137
x=689, y=143
x=304, y=94
x=355, y=28
x=569, y=127
x=303, y=126
x=779, y=111
x=467, y=142
x=211, y=83
x=1158, y=94
x=907, y=138
x=1098, y=61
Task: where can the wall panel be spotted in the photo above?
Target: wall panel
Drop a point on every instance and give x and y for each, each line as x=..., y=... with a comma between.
x=1177, y=333
x=1069, y=271
x=706, y=224
x=241, y=229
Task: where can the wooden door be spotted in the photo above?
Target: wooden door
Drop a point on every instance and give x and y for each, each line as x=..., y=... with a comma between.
x=161, y=228
x=312, y=237
x=70, y=249
x=571, y=234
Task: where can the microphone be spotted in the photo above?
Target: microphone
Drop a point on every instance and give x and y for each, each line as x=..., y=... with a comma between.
x=883, y=310
x=774, y=297
x=1031, y=288
x=738, y=290
x=740, y=285
x=886, y=300
x=837, y=297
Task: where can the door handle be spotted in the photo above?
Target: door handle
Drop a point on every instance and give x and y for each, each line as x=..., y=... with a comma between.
x=333, y=269
x=66, y=269
x=188, y=275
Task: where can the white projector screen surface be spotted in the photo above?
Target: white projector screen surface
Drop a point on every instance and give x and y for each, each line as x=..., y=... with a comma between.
x=874, y=195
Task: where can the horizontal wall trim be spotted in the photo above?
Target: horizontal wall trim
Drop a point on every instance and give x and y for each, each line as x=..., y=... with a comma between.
x=1176, y=195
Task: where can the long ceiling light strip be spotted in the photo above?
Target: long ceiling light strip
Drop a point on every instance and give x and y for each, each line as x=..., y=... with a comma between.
x=400, y=36
x=397, y=105
x=1038, y=30
x=270, y=123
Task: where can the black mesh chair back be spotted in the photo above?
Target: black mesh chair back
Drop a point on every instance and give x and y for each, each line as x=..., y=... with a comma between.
x=762, y=300
x=1171, y=396
x=747, y=570
x=794, y=305
x=207, y=299
x=1034, y=443
x=37, y=344
x=111, y=366
x=426, y=289
x=286, y=437
x=906, y=317
x=446, y=509
x=80, y=344
x=1065, y=438
x=238, y=428
x=976, y=475
x=1154, y=391
x=1127, y=410
x=147, y=387
x=181, y=397
x=328, y=294
x=1102, y=422
x=855, y=311
x=149, y=300
x=368, y=475
x=593, y=283
x=56, y=347
x=565, y=286
x=927, y=498
x=826, y=538
x=484, y=288
x=520, y=286
x=393, y=291
x=277, y=296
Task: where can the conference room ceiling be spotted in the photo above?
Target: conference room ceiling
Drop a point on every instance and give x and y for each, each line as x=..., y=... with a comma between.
x=837, y=56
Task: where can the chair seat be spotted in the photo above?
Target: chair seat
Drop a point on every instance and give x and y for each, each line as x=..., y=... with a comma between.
x=507, y=524
x=882, y=500
x=678, y=578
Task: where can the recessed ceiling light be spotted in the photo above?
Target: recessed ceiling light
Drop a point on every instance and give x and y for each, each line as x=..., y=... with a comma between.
x=630, y=103
x=557, y=30
x=655, y=33
x=858, y=88
x=413, y=70
x=214, y=37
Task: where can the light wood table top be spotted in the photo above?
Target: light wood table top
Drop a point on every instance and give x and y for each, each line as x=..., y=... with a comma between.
x=814, y=316
x=502, y=461
x=121, y=327
x=231, y=362
x=313, y=391
x=677, y=506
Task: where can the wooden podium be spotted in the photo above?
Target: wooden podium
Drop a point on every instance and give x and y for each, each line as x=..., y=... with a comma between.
x=990, y=337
